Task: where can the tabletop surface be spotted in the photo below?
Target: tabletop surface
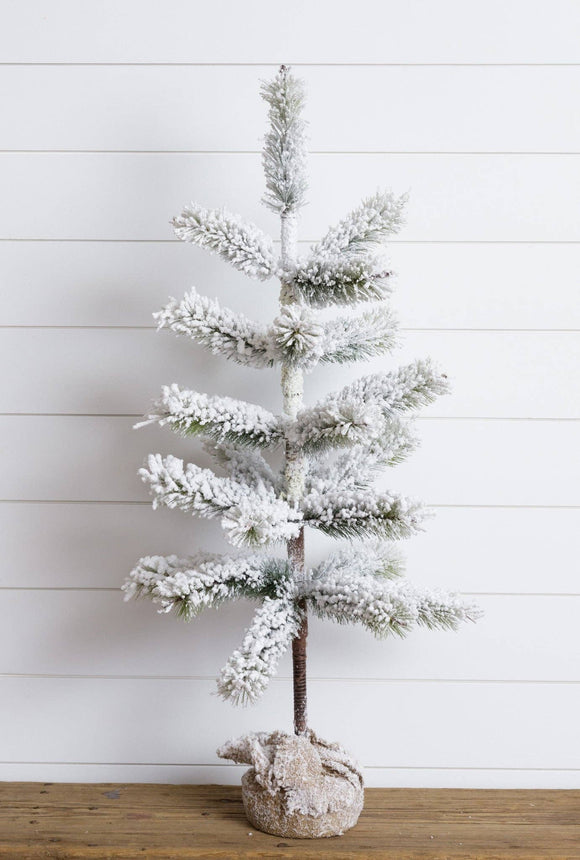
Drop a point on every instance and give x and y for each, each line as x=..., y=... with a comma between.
x=110, y=821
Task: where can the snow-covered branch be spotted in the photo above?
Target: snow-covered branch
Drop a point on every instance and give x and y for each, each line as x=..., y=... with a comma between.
x=410, y=387
x=219, y=329
x=376, y=218
x=244, y=465
x=347, y=266
x=356, y=338
x=249, y=669
x=377, y=559
x=284, y=155
x=335, y=425
x=241, y=244
x=218, y=418
x=360, y=412
x=358, y=467
x=300, y=338
x=348, y=513
x=249, y=516
x=296, y=336
x=338, y=280
x=385, y=607
x=189, y=585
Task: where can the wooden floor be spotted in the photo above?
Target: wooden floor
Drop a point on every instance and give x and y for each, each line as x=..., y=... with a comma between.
x=179, y=821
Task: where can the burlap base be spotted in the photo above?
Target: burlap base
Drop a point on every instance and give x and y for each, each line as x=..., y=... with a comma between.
x=298, y=786
x=266, y=812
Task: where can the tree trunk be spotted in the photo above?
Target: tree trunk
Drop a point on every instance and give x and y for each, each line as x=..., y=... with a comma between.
x=299, y=675
x=294, y=472
x=296, y=556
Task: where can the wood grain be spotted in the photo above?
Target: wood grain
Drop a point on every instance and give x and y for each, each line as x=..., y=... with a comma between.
x=168, y=821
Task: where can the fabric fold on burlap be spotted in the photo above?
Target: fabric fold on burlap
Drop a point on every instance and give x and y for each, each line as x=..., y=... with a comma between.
x=312, y=776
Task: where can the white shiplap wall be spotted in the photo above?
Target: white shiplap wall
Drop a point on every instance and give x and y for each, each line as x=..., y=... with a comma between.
x=115, y=114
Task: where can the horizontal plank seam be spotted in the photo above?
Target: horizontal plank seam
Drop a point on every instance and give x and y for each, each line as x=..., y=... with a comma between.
x=117, y=589
x=444, y=329
x=228, y=765
x=530, y=419
x=89, y=240
x=311, y=152
x=148, y=503
x=475, y=152
x=319, y=64
x=69, y=676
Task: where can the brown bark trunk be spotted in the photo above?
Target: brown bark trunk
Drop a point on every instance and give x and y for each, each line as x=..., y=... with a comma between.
x=292, y=390
x=296, y=556
x=299, y=674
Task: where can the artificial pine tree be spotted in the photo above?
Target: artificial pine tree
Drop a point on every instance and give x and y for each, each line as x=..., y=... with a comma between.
x=332, y=452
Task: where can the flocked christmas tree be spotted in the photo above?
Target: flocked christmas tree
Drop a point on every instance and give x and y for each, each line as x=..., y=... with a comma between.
x=332, y=451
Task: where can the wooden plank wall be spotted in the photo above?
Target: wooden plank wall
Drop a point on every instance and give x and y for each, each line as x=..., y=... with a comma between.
x=115, y=114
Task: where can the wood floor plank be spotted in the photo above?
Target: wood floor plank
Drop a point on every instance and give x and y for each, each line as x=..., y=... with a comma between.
x=118, y=822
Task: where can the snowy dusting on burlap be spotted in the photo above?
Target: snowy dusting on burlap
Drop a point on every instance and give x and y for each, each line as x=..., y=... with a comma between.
x=298, y=785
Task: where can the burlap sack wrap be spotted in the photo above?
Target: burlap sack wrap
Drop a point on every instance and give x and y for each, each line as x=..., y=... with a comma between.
x=298, y=786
